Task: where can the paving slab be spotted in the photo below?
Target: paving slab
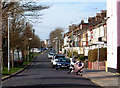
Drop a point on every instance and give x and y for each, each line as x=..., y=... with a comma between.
x=102, y=78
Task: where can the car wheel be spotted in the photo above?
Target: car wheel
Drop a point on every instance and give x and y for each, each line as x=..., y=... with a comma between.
x=52, y=66
x=56, y=68
x=81, y=74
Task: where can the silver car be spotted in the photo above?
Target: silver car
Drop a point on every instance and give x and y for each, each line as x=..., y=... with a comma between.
x=55, y=59
x=50, y=55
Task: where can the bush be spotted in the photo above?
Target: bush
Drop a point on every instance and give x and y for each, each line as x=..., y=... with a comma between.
x=70, y=54
x=75, y=54
x=93, y=55
x=65, y=51
x=103, y=54
x=81, y=57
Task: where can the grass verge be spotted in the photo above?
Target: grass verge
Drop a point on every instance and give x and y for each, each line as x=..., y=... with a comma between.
x=12, y=70
x=15, y=69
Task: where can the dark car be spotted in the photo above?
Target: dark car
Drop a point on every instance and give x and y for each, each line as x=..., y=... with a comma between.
x=63, y=63
x=59, y=56
x=55, y=59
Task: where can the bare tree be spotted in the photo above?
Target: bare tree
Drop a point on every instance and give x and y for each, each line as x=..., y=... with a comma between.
x=56, y=33
x=35, y=42
x=15, y=10
x=27, y=33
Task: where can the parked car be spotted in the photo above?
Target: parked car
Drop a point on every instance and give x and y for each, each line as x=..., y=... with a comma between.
x=55, y=59
x=18, y=58
x=63, y=63
x=35, y=50
x=50, y=55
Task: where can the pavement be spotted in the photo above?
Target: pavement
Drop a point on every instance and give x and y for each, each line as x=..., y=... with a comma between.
x=102, y=78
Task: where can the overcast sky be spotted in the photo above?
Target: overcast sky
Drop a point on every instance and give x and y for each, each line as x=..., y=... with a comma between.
x=62, y=14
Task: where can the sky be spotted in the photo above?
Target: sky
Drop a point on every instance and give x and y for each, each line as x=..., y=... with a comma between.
x=64, y=13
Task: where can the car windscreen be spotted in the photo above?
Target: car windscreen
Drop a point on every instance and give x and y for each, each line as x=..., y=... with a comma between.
x=56, y=60
x=64, y=60
x=60, y=57
x=51, y=54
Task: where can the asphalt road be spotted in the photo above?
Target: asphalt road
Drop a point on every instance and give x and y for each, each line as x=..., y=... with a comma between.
x=41, y=75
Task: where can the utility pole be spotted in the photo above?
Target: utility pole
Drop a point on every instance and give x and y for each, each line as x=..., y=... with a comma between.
x=98, y=55
x=9, y=18
x=59, y=45
x=0, y=45
x=8, y=49
x=56, y=47
x=56, y=41
x=72, y=43
x=33, y=38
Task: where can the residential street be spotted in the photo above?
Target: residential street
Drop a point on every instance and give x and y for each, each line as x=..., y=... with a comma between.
x=41, y=74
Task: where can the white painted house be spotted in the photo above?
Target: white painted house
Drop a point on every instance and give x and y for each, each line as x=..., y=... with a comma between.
x=113, y=38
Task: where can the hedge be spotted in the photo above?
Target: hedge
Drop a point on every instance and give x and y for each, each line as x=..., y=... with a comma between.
x=93, y=55
x=75, y=54
x=81, y=57
x=65, y=51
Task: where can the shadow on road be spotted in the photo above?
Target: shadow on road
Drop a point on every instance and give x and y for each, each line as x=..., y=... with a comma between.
x=37, y=61
x=56, y=86
x=55, y=78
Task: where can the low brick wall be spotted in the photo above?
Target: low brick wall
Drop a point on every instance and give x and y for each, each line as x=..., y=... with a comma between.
x=94, y=65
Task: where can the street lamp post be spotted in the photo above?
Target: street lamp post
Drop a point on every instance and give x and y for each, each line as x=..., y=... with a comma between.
x=56, y=38
x=28, y=50
x=98, y=55
x=33, y=37
x=9, y=18
x=60, y=39
x=56, y=46
x=59, y=45
x=98, y=43
x=72, y=43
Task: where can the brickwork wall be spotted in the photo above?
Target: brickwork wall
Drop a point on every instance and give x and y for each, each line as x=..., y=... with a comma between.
x=94, y=65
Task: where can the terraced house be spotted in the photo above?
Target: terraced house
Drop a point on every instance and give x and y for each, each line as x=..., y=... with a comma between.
x=87, y=36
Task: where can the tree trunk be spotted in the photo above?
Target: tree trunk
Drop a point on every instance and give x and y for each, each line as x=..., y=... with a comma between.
x=28, y=55
x=25, y=56
x=12, y=58
x=0, y=42
x=18, y=55
x=5, y=56
x=2, y=62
